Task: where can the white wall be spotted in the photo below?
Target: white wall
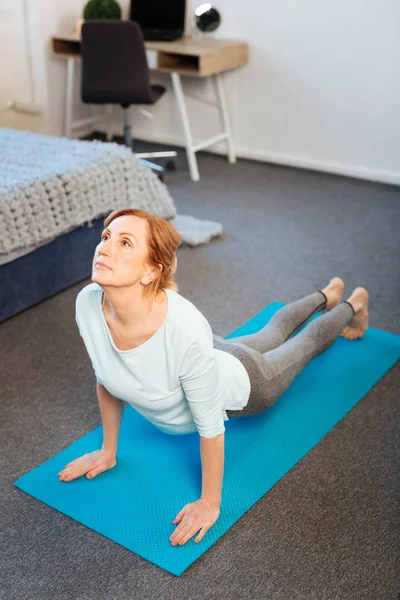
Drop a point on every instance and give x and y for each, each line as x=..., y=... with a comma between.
x=323, y=85
x=23, y=76
x=58, y=15
x=321, y=90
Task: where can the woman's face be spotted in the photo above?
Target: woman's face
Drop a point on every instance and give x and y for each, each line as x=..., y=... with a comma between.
x=120, y=257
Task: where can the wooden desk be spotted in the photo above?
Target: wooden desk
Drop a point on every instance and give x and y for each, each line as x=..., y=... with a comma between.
x=188, y=57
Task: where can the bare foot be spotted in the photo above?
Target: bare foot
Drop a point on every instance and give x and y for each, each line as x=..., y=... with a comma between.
x=334, y=292
x=359, y=323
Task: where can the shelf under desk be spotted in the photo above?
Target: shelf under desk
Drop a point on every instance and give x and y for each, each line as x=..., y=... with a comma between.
x=188, y=56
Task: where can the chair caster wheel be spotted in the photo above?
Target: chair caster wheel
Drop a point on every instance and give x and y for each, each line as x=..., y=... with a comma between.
x=170, y=165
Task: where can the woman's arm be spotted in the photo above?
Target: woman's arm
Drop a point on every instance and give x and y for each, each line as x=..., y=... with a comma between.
x=111, y=409
x=199, y=377
x=212, y=462
x=94, y=463
x=202, y=514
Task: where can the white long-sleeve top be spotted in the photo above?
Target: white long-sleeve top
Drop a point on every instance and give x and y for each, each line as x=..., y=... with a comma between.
x=176, y=379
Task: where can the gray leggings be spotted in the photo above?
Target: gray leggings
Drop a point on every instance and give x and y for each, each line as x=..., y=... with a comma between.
x=272, y=360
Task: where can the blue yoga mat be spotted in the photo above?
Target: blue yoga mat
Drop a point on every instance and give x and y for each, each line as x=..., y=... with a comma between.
x=135, y=503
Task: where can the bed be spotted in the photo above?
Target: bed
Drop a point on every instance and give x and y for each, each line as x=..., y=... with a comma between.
x=54, y=195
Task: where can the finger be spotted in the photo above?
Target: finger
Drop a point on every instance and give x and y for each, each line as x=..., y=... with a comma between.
x=183, y=530
x=76, y=470
x=88, y=460
x=73, y=472
x=175, y=537
x=75, y=461
x=179, y=516
x=202, y=533
x=81, y=465
x=71, y=467
x=189, y=534
x=95, y=472
x=67, y=477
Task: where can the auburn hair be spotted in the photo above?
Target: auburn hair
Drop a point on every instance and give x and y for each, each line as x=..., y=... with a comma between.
x=162, y=240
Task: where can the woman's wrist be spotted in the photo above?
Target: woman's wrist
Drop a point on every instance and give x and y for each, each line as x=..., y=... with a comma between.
x=212, y=502
x=110, y=452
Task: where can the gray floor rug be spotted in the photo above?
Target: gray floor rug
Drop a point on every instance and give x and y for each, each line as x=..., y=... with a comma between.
x=329, y=530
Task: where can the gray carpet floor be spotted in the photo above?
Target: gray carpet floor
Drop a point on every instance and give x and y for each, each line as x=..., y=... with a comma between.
x=329, y=530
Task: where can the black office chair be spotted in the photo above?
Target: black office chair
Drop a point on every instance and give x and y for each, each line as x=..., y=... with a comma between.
x=115, y=71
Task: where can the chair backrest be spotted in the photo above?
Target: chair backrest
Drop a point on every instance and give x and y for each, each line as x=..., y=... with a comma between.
x=114, y=65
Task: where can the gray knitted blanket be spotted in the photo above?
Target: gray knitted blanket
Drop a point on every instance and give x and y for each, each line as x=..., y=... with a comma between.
x=50, y=185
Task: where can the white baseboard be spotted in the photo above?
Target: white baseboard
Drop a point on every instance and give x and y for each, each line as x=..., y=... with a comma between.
x=318, y=165
x=390, y=177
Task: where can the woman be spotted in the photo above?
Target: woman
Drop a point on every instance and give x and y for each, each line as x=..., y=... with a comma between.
x=153, y=349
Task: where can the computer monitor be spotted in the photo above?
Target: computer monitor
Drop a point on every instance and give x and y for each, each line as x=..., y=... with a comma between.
x=159, y=19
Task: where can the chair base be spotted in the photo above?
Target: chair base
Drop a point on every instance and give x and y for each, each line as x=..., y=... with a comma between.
x=158, y=169
x=143, y=156
x=170, y=164
x=165, y=154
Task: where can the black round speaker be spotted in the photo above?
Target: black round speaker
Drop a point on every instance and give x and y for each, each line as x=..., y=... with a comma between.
x=207, y=17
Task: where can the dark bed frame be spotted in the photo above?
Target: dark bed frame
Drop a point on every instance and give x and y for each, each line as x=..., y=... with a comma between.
x=48, y=270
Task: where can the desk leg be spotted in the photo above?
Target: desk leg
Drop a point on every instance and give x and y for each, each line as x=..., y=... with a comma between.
x=68, y=97
x=190, y=153
x=110, y=114
x=225, y=117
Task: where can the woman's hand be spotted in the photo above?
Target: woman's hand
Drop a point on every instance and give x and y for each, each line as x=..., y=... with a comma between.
x=92, y=464
x=201, y=514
